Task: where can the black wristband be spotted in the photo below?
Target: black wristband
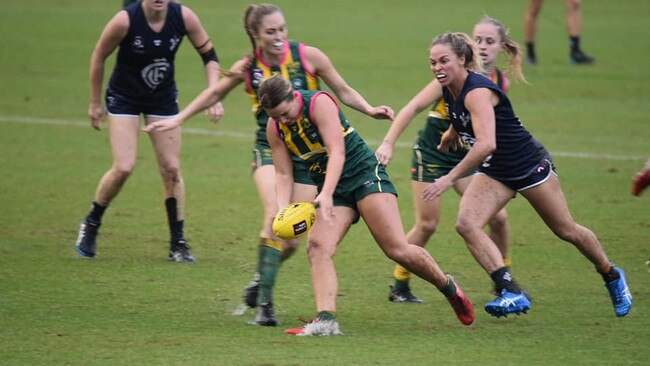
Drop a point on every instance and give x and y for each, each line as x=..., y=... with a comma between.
x=210, y=56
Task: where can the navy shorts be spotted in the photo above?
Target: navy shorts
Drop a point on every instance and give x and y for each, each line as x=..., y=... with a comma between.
x=120, y=105
x=537, y=176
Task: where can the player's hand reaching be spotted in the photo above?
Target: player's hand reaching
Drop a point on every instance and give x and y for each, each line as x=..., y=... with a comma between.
x=215, y=112
x=382, y=112
x=384, y=153
x=435, y=189
x=162, y=125
x=450, y=141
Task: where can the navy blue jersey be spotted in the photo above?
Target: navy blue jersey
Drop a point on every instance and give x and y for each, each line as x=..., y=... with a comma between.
x=517, y=153
x=145, y=61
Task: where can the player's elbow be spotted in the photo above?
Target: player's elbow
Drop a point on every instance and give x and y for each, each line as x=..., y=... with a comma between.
x=491, y=147
x=485, y=148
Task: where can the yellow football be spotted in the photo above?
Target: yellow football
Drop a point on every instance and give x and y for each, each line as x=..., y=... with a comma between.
x=294, y=220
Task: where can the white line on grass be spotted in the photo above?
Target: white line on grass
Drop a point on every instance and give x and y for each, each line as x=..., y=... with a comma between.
x=204, y=132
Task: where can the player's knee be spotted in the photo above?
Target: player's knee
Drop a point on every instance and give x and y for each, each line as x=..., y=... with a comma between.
x=427, y=227
x=319, y=249
x=171, y=172
x=123, y=170
x=567, y=232
x=465, y=227
x=397, y=253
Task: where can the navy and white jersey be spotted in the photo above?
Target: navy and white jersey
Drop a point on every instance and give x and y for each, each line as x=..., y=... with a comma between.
x=517, y=153
x=145, y=61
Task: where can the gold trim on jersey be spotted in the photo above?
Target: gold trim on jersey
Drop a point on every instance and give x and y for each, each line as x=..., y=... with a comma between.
x=297, y=130
x=439, y=110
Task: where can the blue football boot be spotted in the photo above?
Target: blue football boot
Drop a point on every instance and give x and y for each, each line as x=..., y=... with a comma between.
x=620, y=294
x=508, y=303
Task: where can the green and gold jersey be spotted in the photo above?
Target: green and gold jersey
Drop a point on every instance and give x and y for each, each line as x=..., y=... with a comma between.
x=292, y=68
x=304, y=140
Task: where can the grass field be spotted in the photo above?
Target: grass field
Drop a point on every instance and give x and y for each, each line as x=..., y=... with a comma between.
x=130, y=306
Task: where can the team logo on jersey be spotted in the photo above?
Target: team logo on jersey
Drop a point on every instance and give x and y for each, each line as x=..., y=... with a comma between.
x=306, y=123
x=295, y=75
x=110, y=101
x=313, y=137
x=138, y=43
x=157, y=42
x=465, y=119
x=173, y=42
x=294, y=69
x=155, y=73
x=297, y=84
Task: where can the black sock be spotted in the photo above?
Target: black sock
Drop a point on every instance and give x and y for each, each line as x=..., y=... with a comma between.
x=610, y=276
x=575, y=43
x=530, y=50
x=95, y=215
x=504, y=280
x=175, y=225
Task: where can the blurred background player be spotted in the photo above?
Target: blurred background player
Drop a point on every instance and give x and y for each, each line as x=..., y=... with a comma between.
x=641, y=180
x=574, y=26
x=148, y=34
x=429, y=163
x=304, y=67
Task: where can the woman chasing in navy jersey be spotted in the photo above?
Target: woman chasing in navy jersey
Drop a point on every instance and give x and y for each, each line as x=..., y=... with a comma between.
x=508, y=160
x=428, y=163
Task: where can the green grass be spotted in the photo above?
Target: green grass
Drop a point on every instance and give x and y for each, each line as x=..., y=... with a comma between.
x=129, y=306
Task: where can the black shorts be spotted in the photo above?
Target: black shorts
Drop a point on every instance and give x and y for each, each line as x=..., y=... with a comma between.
x=537, y=176
x=120, y=105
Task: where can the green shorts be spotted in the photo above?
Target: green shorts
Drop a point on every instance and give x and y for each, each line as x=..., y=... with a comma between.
x=427, y=162
x=354, y=186
x=262, y=156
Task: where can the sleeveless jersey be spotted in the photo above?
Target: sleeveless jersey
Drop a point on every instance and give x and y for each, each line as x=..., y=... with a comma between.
x=292, y=68
x=304, y=141
x=145, y=60
x=517, y=153
x=438, y=122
